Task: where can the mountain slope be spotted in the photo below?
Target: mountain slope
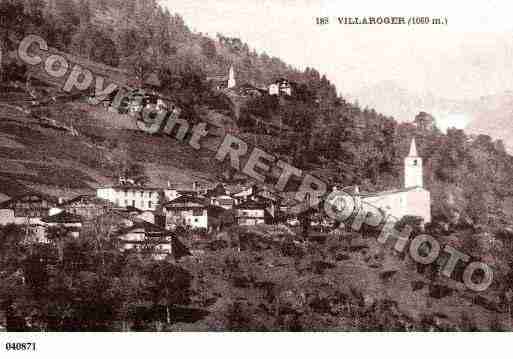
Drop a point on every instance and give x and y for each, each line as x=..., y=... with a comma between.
x=53, y=160
x=490, y=115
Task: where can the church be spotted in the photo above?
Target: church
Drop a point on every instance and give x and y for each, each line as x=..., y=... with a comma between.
x=223, y=82
x=411, y=200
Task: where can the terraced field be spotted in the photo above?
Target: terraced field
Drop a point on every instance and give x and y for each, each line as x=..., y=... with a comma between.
x=51, y=159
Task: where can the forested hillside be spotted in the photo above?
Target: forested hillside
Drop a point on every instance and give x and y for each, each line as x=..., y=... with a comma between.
x=261, y=278
x=330, y=137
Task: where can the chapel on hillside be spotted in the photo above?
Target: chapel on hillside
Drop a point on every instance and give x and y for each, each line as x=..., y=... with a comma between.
x=411, y=200
x=223, y=82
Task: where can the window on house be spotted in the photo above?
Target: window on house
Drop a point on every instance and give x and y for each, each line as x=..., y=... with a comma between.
x=133, y=203
x=150, y=205
x=414, y=162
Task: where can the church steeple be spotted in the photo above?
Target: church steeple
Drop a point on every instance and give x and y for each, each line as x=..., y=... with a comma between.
x=413, y=174
x=413, y=149
x=231, y=78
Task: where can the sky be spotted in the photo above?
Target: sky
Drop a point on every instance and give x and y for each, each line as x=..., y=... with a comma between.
x=468, y=58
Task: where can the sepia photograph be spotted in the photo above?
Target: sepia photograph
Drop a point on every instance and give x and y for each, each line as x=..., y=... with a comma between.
x=200, y=166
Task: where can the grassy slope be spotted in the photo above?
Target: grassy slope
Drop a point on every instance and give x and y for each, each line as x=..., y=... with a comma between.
x=56, y=162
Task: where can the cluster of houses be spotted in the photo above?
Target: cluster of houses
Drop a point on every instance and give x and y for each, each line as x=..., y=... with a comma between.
x=140, y=217
x=143, y=218
x=279, y=87
x=145, y=95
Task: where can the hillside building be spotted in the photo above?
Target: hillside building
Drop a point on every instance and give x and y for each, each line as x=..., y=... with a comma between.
x=223, y=201
x=71, y=222
x=146, y=237
x=27, y=209
x=424, y=121
x=411, y=200
x=125, y=195
x=222, y=82
x=280, y=87
x=231, y=78
x=87, y=206
x=186, y=211
x=250, y=213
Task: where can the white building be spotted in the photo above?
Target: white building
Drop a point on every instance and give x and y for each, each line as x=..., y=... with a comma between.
x=251, y=213
x=231, y=78
x=186, y=211
x=411, y=200
x=280, y=87
x=223, y=201
x=142, y=236
x=122, y=196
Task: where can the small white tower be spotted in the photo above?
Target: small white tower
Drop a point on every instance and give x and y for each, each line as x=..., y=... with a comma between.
x=413, y=176
x=231, y=78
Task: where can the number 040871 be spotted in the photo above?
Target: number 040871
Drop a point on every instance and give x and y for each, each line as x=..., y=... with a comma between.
x=20, y=346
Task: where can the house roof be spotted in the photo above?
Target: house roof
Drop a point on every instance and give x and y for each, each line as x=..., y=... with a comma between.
x=251, y=204
x=31, y=197
x=63, y=217
x=183, y=200
x=131, y=187
x=392, y=191
x=87, y=199
x=244, y=192
x=225, y=200
x=116, y=215
x=280, y=79
x=217, y=78
x=147, y=227
x=131, y=209
x=218, y=190
x=186, y=192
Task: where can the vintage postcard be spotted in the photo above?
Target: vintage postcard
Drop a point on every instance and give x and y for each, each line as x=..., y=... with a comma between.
x=254, y=166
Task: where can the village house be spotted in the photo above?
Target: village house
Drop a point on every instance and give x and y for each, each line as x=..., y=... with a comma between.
x=280, y=87
x=125, y=195
x=244, y=194
x=111, y=221
x=219, y=197
x=146, y=237
x=27, y=209
x=248, y=90
x=71, y=223
x=174, y=191
x=223, y=201
x=187, y=211
x=251, y=213
x=221, y=81
x=424, y=121
x=136, y=213
x=86, y=206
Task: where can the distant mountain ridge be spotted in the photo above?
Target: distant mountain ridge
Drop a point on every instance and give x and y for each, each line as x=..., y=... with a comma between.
x=491, y=115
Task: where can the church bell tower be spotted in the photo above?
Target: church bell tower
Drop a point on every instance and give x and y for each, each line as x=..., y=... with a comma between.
x=413, y=176
x=231, y=78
